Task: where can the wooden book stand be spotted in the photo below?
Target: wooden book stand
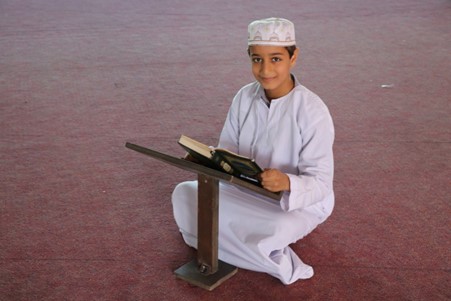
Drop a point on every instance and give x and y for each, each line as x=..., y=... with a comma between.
x=206, y=271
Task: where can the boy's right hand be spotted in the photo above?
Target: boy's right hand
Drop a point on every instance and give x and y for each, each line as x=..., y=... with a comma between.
x=190, y=158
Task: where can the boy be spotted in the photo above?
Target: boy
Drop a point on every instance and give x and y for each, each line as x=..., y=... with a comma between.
x=288, y=130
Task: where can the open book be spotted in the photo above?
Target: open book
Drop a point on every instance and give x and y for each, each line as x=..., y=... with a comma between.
x=222, y=159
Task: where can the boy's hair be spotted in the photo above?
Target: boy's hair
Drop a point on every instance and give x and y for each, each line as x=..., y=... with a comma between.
x=291, y=49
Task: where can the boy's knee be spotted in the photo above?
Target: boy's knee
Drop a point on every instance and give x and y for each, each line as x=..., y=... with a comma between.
x=184, y=191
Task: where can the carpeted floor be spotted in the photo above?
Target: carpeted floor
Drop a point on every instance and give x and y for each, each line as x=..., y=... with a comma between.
x=84, y=218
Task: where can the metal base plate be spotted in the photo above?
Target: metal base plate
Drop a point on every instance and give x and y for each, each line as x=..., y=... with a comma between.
x=190, y=273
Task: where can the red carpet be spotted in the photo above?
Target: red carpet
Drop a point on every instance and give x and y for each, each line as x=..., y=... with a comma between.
x=84, y=218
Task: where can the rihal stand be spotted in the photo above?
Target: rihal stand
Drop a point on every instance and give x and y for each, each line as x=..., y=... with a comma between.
x=206, y=271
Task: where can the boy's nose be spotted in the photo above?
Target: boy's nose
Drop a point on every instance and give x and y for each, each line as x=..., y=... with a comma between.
x=266, y=69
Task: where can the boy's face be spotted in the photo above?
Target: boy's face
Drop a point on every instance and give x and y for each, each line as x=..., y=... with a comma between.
x=271, y=66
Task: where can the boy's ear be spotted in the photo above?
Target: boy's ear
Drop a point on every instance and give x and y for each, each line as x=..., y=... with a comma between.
x=294, y=57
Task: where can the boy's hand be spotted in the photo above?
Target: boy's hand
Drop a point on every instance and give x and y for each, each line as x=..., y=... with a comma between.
x=274, y=180
x=188, y=157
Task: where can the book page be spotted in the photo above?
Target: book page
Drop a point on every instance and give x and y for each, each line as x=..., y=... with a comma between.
x=196, y=146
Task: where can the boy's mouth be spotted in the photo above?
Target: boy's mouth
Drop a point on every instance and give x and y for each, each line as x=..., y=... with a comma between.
x=267, y=79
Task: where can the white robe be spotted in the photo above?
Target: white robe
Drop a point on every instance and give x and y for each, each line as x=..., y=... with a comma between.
x=294, y=134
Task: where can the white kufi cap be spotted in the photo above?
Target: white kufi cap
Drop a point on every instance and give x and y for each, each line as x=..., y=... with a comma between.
x=271, y=31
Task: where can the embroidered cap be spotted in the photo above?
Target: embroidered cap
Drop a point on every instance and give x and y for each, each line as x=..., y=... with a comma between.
x=271, y=31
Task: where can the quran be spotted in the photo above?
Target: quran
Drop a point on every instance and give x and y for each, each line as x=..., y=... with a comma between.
x=221, y=159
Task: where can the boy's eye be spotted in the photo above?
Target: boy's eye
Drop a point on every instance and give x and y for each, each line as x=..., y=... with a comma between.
x=256, y=60
x=276, y=59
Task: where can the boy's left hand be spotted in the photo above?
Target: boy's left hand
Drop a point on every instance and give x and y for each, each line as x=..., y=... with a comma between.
x=274, y=180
